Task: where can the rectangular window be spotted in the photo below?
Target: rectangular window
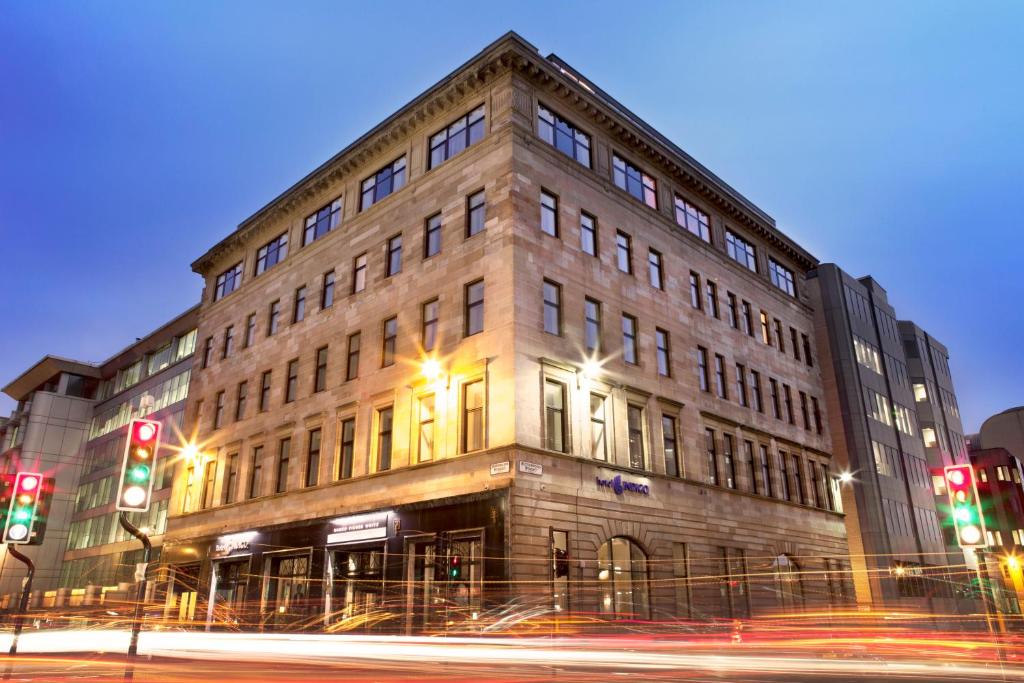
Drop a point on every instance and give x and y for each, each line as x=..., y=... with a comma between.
x=669, y=442
x=476, y=213
x=728, y=461
x=867, y=354
x=359, y=274
x=746, y=319
x=773, y=387
x=788, y=395
x=472, y=416
x=794, y=343
x=284, y=450
x=218, y=413
x=766, y=470
x=702, y=369
x=663, y=351
x=695, y=299
x=389, y=179
x=209, y=480
x=588, y=234
x=877, y=407
x=428, y=333
x=740, y=251
x=432, y=236
x=751, y=466
x=385, y=427
x=265, y=391
x=798, y=479
x=732, y=313
x=292, y=385
x=712, y=297
x=320, y=374
x=784, y=491
x=228, y=281
x=598, y=428
x=321, y=222
x=624, y=252
x=274, y=317
x=816, y=497
x=629, y=350
x=560, y=566
x=299, y=309
x=256, y=473
x=693, y=219
x=755, y=390
x=654, y=275
x=554, y=417
x=720, y=384
x=394, y=262
x=712, y=456
x=807, y=350
x=426, y=428
x=474, y=308
x=781, y=276
x=805, y=411
x=352, y=364
x=313, y=458
x=766, y=333
x=779, y=337
x=250, y=330
x=463, y=132
x=741, y=385
x=548, y=214
x=272, y=253
x=633, y=180
x=389, y=342
x=817, y=415
x=635, y=425
x=563, y=135
x=327, y=291
x=348, y=448
x=240, y=397
x=229, y=341
x=552, y=307
x=592, y=324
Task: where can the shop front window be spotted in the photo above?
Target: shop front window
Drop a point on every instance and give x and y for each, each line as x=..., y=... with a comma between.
x=622, y=579
x=229, y=593
x=286, y=590
x=788, y=582
x=357, y=586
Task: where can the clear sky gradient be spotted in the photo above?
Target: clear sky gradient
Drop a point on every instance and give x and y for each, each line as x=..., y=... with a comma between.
x=886, y=137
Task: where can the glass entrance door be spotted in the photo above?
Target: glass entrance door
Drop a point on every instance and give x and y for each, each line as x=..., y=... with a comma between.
x=286, y=590
x=357, y=588
x=424, y=597
x=229, y=594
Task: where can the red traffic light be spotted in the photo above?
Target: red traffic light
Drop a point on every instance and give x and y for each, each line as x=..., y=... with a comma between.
x=957, y=477
x=28, y=483
x=145, y=431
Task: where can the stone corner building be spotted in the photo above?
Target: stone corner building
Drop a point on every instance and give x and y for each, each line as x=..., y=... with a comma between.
x=515, y=319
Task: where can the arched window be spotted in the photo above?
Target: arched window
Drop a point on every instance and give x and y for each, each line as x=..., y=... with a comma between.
x=622, y=579
x=788, y=582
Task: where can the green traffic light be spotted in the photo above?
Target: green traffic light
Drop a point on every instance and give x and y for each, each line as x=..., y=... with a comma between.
x=21, y=514
x=139, y=473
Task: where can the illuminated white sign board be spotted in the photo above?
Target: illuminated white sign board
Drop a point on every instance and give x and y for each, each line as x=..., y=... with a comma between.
x=232, y=544
x=359, y=528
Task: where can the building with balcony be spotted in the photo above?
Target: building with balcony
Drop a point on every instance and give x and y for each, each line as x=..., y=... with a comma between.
x=515, y=329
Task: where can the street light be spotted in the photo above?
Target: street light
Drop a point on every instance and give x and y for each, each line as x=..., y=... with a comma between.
x=845, y=477
x=430, y=369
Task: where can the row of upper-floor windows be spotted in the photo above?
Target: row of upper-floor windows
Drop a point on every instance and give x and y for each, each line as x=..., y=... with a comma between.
x=391, y=345
x=713, y=375
x=465, y=131
x=168, y=392
x=878, y=409
x=101, y=454
x=103, y=529
x=175, y=350
x=890, y=462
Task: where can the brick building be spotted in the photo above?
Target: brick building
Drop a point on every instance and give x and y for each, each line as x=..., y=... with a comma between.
x=514, y=325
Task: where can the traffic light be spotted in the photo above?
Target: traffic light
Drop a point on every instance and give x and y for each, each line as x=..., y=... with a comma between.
x=29, y=497
x=455, y=567
x=138, y=467
x=964, y=506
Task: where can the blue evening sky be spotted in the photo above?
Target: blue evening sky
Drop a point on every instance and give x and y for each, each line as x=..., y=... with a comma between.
x=887, y=137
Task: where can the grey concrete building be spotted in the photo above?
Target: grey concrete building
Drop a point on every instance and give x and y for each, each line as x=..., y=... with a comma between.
x=70, y=424
x=514, y=318
x=1002, y=430
x=878, y=408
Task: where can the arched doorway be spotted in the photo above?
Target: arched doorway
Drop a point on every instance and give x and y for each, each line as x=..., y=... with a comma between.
x=622, y=579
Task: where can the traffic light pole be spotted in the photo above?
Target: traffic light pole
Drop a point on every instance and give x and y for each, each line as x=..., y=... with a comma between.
x=19, y=616
x=140, y=595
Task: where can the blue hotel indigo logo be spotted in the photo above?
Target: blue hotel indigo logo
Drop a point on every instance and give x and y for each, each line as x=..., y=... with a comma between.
x=618, y=485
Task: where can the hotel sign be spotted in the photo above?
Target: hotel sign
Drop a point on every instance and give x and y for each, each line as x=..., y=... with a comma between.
x=620, y=485
x=357, y=528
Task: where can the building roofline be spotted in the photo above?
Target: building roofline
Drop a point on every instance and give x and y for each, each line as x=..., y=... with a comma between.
x=45, y=368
